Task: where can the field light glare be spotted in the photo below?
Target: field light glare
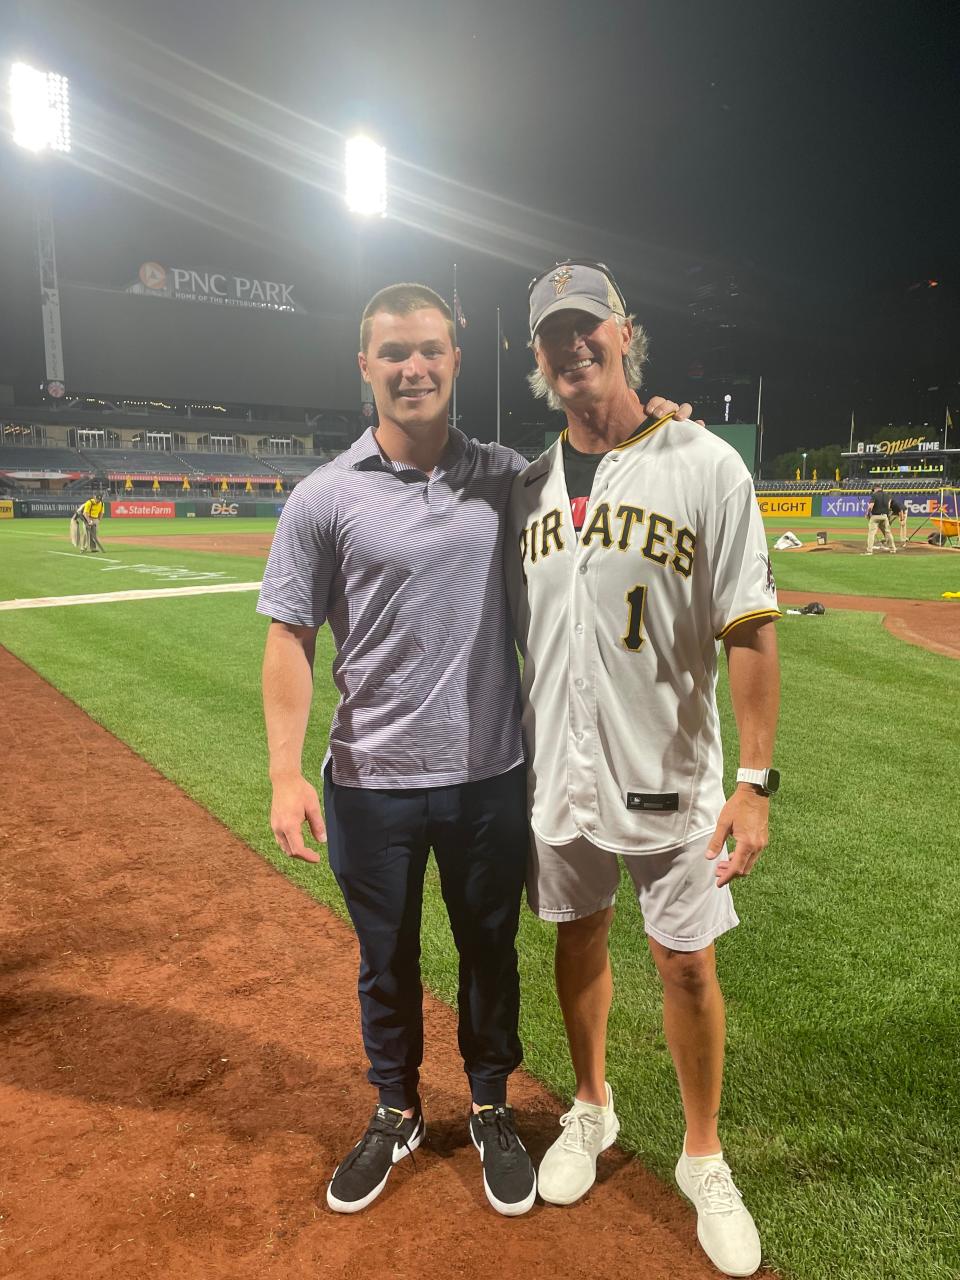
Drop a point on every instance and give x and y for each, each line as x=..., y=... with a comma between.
x=366, y=165
x=40, y=108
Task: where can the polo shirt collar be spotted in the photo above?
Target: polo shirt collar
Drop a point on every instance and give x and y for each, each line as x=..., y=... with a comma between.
x=368, y=456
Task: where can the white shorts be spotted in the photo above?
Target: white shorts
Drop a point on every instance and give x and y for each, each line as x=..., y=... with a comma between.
x=682, y=907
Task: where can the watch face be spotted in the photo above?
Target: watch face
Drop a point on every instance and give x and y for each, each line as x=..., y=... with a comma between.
x=773, y=780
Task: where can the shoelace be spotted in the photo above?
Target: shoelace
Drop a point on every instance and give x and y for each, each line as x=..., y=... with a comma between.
x=378, y=1129
x=506, y=1136
x=718, y=1190
x=578, y=1125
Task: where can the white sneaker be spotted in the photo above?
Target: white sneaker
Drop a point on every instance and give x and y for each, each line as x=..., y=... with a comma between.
x=569, y=1169
x=725, y=1229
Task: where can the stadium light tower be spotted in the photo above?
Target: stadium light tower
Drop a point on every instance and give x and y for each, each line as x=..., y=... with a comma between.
x=40, y=116
x=366, y=168
x=39, y=108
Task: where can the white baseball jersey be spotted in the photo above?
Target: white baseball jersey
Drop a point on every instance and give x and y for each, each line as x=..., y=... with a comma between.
x=620, y=632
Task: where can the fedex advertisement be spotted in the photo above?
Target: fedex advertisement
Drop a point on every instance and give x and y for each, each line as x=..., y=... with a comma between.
x=855, y=505
x=139, y=510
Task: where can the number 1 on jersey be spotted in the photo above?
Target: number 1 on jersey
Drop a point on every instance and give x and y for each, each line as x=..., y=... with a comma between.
x=636, y=598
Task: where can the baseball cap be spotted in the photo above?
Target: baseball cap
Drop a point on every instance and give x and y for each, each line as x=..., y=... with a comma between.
x=575, y=286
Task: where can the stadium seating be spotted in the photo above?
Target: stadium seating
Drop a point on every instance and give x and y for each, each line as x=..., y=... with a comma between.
x=37, y=458
x=296, y=466
x=145, y=461
x=229, y=464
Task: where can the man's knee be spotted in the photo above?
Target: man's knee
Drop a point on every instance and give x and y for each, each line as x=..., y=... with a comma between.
x=689, y=973
x=581, y=937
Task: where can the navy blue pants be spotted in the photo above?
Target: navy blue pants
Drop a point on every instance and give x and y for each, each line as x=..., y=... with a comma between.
x=378, y=843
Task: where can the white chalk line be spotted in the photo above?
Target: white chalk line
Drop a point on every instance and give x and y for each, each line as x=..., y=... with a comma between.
x=112, y=597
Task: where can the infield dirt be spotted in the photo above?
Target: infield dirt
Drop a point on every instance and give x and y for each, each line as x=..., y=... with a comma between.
x=182, y=1067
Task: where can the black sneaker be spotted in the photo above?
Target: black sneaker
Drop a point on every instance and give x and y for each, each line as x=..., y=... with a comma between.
x=360, y=1177
x=508, y=1176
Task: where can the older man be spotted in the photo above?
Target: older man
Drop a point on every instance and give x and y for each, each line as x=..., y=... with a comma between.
x=633, y=549
x=399, y=544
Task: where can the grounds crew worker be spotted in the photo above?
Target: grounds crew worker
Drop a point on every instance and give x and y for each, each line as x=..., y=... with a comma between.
x=878, y=518
x=88, y=518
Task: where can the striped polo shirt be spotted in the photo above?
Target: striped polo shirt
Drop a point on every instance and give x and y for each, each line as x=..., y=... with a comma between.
x=407, y=570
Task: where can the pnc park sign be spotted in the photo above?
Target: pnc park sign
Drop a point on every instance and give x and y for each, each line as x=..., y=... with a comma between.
x=215, y=288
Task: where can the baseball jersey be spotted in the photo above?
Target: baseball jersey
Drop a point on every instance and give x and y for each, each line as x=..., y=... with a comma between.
x=620, y=628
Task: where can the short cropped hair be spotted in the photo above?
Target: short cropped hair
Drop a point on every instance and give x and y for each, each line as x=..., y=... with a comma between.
x=401, y=300
x=633, y=363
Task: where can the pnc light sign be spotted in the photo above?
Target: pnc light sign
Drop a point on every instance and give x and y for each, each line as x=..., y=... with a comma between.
x=212, y=287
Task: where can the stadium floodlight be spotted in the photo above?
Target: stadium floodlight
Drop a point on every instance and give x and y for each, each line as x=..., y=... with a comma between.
x=366, y=166
x=40, y=108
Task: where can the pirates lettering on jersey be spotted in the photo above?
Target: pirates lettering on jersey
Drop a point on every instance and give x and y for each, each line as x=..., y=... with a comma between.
x=599, y=526
x=654, y=535
x=538, y=539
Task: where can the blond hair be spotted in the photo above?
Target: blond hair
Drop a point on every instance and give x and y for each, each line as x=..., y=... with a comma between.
x=633, y=362
x=401, y=300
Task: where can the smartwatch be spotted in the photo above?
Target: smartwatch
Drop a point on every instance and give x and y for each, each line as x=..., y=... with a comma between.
x=767, y=781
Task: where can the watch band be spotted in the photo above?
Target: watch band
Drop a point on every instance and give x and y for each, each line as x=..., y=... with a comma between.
x=757, y=776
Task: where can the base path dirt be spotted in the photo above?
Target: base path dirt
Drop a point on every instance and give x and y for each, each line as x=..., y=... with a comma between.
x=182, y=1068
x=929, y=624
x=231, y=544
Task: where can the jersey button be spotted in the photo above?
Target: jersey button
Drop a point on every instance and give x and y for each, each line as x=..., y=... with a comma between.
x=583, y=568
x=579, y=735
x=579, y=682
x=579, y=628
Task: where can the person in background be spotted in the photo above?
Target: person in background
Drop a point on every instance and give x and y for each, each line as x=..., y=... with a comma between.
x=898, y=508
x=878, y=521
x=88, y=517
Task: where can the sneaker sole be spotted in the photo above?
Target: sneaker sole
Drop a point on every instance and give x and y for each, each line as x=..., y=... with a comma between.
x=607, y=1143
x=688, y=1192
x=508, y=1210
x=354, y=1206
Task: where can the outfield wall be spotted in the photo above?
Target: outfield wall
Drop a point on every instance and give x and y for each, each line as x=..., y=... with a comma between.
x=149, y=509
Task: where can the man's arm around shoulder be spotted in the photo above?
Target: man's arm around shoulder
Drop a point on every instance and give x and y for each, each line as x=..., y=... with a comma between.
x=287, y=698
x=753, y=667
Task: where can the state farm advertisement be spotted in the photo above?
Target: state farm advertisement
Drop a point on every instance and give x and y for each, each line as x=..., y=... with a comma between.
x=143, y=510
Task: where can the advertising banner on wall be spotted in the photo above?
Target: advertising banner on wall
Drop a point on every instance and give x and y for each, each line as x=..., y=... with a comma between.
x=215, y=288
x=43, y=507
x=799, y=506
x=143, y=510
x=854, y=505
x=6, y=508
x=226, y=508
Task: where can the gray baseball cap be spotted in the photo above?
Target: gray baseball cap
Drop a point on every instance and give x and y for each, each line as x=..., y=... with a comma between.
x=574, y=286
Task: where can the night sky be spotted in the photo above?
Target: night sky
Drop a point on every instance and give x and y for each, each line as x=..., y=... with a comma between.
x=774, y=185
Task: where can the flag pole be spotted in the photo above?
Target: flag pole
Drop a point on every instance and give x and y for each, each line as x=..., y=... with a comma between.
x=851, y=430
x=760, y=399
x=946, y=424
x=760, y=451
x=499, y=345
x=455, y=341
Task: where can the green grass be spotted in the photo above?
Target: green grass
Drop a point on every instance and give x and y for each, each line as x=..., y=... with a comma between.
x=36, y=558
x=911, y=577
x=842, y=982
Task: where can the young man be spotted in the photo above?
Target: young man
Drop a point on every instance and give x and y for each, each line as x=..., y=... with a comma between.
x=398, y=544
x=633, y=547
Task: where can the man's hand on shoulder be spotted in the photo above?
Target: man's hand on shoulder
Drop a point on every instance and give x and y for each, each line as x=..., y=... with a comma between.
x=295, y=802
x=657, y=407
x=745, y=817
